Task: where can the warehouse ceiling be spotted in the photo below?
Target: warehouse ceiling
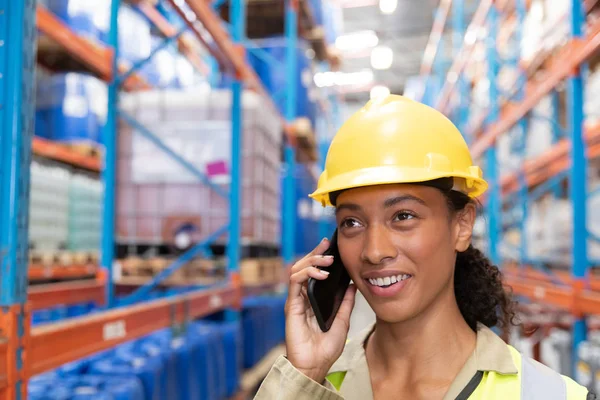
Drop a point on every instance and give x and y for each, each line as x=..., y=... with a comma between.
x=405, y=31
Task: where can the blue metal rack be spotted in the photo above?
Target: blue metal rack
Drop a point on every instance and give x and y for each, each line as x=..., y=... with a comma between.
x=17, y=63
x=520, y=115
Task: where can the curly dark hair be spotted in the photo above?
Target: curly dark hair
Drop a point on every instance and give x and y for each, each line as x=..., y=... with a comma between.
x=478, y=287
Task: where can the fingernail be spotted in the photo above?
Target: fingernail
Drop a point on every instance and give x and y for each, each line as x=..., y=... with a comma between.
x=324, y=240
x=328, y=257
x=325, y=272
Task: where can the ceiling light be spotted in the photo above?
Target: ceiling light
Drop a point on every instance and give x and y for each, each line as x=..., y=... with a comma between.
x=388, y=6
x=379, y=91
x=357, y=40
x=382, y=57
x=329, y=79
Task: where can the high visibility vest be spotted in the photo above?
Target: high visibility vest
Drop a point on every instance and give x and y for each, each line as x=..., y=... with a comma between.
x=534, y=381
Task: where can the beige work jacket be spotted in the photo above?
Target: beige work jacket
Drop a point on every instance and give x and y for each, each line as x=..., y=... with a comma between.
x=284, y=382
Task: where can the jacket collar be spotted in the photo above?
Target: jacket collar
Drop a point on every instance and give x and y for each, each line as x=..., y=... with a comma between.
x=491, y=352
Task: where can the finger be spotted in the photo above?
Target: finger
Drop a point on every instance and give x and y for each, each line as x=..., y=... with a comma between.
x=320, y=248
x=313, y=261
x=298, y=279
x=342, y=320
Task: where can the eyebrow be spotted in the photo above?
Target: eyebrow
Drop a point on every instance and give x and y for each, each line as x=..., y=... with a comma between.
x=400, y=199
x=387, y=204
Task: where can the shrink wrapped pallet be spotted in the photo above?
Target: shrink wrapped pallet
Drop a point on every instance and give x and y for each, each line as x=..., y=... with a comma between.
x=156, y=192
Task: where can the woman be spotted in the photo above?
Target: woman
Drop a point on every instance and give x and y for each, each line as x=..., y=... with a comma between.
x=401, y=179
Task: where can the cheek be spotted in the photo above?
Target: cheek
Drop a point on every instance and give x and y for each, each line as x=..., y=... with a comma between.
x=430, y=247
x=350, y=251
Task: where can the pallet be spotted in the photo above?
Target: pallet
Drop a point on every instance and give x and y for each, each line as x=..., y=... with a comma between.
x=261, y=271
x=86, y=149
x=51, y=258
x=196, y=270
x=140, y=281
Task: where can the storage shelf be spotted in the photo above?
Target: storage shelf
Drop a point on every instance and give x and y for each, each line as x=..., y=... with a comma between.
x=162, y=24
x=62, y=153
x=41, y=297
x=571, y=57
x=96, y=57
x=230, y=55
x=552, y=162
x=56, y=344
x=42, y=272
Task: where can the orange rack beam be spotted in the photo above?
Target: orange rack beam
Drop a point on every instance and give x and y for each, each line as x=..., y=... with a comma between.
x=41, y=272
x=461, y=61
x=40, y=297
x=573, y=54
x=541, y=291
x=552, y=162
x=60, y=152
x=97, y=58
x=56, y=344
x=163, y=25
x=229, y=54
x=435, y=36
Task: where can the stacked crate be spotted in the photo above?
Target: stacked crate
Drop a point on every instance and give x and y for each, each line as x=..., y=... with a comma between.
x=157, y=196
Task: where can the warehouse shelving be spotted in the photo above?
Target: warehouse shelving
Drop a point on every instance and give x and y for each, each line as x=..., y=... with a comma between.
x=49, y=346
x=47, y=296
x=63, y=153
x=184, y=43
x=576, y=290
x=94, y=56
x=42, y=272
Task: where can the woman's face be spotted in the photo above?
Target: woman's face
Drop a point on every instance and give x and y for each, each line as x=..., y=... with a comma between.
x=399, y=243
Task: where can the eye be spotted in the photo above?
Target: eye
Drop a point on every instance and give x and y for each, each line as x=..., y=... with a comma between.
x=350, y=223
x=404, y=216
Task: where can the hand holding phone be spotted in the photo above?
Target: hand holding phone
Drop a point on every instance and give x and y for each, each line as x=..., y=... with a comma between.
x=326, y=296
x=309, y=348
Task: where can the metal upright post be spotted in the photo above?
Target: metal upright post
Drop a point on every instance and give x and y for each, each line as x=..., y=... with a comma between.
x=495, y=201
x=523, y=188
x=110, y=159
x=578, y=179
x=289, y=195
x=17, y=97
x=237, y=17
x=458, y=29
x=557, y=132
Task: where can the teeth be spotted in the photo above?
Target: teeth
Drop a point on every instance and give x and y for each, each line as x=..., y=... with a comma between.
x=388, y=280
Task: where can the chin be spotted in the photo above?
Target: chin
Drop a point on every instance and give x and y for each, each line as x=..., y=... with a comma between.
x=394, y=314
x=393, y=310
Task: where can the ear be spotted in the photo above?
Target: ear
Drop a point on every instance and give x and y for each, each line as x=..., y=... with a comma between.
x=465, y=220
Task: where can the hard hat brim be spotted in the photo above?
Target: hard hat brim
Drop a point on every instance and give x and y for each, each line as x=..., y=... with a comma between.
x=473, y=186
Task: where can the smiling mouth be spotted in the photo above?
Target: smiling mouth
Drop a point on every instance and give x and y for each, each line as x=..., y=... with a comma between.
x=388, y=280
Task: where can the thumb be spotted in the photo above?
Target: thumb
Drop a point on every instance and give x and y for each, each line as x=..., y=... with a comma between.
x=342, y=319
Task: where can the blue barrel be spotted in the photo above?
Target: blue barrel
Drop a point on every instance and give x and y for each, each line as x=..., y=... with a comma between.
x=149, y=370
x=77, y=310
x=158, y=345
x=65, y=99
x=200, y=343
x=115, y=388
x=73, y=368
x=232, y=341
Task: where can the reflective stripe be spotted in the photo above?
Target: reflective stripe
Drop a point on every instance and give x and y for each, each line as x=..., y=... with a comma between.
x=539, y=382
x=336, y=379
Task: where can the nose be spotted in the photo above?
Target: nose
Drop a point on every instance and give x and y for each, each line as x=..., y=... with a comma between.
x=378, y=247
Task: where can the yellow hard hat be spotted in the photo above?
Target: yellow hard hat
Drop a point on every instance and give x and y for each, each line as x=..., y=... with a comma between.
x=394, y=139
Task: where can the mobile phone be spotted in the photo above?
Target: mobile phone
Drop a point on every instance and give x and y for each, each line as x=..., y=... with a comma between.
x=325, y=296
